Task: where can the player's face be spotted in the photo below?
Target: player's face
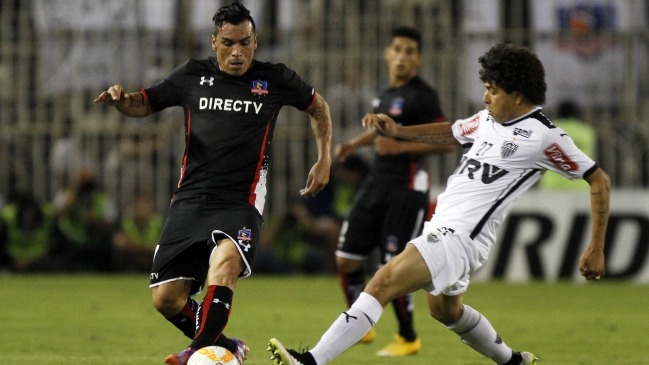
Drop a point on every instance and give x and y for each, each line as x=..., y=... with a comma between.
x=235, y=47
x=502, y=106
x=403, y=57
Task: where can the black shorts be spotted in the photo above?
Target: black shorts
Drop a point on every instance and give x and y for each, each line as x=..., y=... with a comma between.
x=382, y=216
x=192, y=228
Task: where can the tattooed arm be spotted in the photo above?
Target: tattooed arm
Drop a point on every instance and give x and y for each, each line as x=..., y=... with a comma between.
x=591, y=264
x=433, y=133
x=322, y=130
x=129, y=104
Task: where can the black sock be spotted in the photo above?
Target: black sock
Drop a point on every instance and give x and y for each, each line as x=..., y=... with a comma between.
x=353, y=284
x=515, y=360
x=185, y=320
x=212, y=316
x=403, y=309
x=223, y=341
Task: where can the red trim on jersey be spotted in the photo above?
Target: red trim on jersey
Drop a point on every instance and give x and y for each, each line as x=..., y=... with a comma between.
x=413, y=172
x=184, y=167
x=312, y=100
x=440, y=119
x=253, y=197
x=147, y=101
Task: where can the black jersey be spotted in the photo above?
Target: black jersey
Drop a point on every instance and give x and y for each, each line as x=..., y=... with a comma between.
x=229, y=122
x=414, y=103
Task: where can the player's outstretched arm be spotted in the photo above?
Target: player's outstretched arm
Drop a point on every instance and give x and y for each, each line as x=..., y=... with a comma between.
x=344, y=150
x=592, y=263
x=322, y=130
x=433, y=133
x=129, y=104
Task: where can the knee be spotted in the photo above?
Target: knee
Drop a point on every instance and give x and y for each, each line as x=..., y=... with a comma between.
x=347, y=265
x=446, y=313
x=167, y=304
x=383, y=287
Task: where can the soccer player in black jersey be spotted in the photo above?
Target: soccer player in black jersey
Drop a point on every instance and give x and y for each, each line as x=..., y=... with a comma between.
x=231, y=103
x=392, y=204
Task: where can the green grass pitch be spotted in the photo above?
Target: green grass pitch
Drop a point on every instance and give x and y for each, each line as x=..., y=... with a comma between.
x=97, y=319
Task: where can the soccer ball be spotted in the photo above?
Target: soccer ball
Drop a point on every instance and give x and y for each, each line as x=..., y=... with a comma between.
x=213, y=355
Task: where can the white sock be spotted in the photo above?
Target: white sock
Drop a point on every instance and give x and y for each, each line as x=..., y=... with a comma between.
x=476, y=331
x=350, y=327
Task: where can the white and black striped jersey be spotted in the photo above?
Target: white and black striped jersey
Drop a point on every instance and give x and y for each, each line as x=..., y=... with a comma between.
x=503, y=161
x=229, y=123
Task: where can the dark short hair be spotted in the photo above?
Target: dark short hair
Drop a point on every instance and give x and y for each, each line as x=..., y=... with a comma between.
x=408, y=32
x=514, y=68
x=234, y=14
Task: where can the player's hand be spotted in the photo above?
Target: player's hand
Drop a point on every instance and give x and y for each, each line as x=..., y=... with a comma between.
x=591, y=264
x=385, y=146
x=343, y=150
x=113, y=96
x=318, y=178
x=381, y=122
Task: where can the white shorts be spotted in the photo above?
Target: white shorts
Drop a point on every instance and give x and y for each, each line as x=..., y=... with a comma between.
x=451, y=256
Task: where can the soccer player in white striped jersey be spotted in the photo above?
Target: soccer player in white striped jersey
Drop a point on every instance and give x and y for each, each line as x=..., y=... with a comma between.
x=510, y=144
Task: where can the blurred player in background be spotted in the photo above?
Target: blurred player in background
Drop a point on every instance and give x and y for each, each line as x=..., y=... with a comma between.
x=393, y=202
x=510, y=144
x=231, y=103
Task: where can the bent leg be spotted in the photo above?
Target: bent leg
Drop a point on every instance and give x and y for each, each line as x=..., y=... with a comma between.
x=172, y=300
x=225, y=266
x=474, y=329
x=403, y=274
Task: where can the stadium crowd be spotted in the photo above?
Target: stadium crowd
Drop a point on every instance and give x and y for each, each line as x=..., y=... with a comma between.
x=84, y=230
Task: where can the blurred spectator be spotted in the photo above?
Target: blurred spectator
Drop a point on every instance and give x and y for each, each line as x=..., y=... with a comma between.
x=584, y=136
x=67, y=158
x=29, y=240
x=136, y=238
x=85, y=216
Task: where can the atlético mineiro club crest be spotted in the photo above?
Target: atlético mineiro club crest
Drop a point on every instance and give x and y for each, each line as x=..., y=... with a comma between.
x=507, y=149
x=259, y=87
x=244, y=234
x=396, y=108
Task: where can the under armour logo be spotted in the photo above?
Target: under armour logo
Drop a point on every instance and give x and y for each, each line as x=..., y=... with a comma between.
x=244, y=245
x=211, y=80
x=217, y=301
x=347, y=317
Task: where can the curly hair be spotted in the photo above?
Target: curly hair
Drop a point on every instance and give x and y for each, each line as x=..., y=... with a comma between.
x=514, y=68
x=234, y=14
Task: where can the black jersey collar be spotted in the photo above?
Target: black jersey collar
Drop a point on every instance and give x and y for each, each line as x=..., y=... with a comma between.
x=522, y=117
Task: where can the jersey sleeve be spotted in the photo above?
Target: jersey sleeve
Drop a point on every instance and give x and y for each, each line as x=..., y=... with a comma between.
x=297, y=93
x=465, y=130
x=561, y=155
x=167, y=92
